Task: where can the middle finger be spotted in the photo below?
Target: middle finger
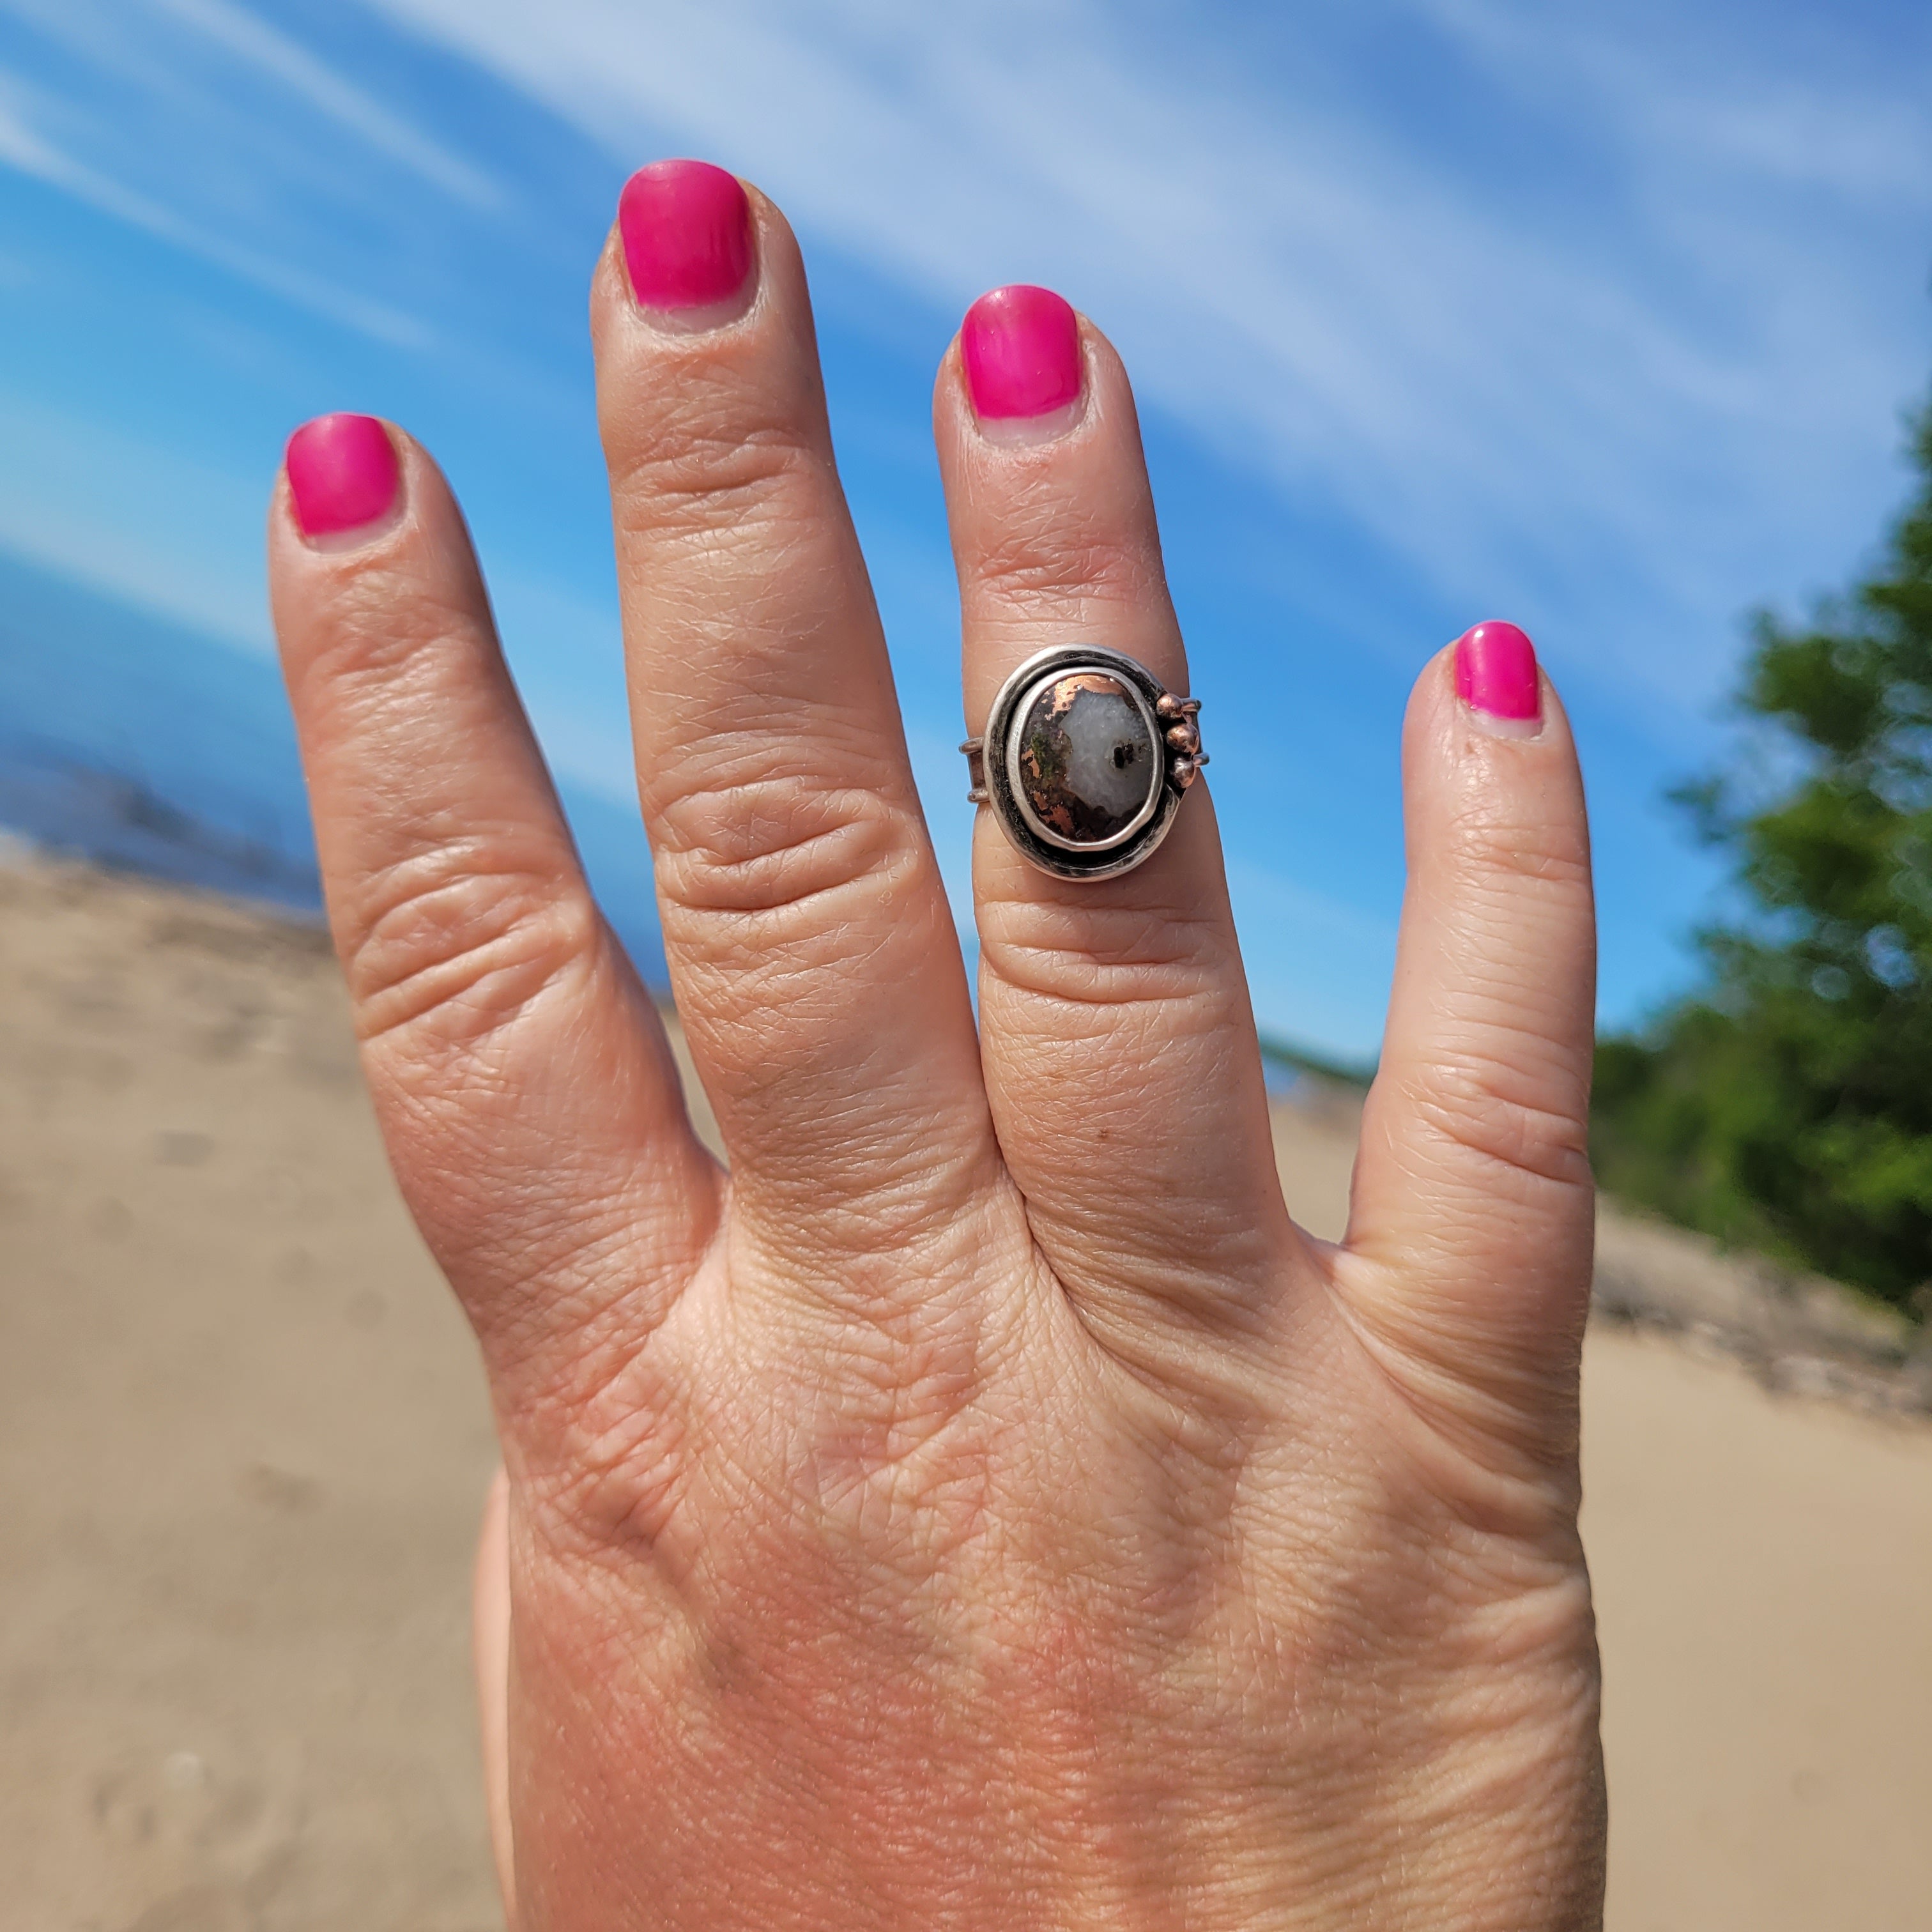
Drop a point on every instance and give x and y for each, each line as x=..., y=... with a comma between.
x=814, y=960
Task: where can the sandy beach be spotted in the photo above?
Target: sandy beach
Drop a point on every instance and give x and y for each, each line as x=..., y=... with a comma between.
x=243, y=1440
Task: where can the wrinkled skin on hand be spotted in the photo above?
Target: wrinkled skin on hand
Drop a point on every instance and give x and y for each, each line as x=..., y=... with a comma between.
x=981, y=1506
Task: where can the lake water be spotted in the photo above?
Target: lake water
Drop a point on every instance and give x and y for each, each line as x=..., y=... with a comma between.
x=143, y=746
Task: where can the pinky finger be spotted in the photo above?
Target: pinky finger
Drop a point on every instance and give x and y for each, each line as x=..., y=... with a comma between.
x=1468, y=1254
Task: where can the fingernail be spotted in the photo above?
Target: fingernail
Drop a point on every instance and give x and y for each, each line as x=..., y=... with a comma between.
x=1495, y=677
x=1022, y=349
x=343, y=474
x=686, y=229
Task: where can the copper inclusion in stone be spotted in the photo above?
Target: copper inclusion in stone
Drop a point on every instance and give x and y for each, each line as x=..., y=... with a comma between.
x=1087, y=762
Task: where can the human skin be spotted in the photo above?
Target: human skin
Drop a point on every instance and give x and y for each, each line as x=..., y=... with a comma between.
x=981, y=1506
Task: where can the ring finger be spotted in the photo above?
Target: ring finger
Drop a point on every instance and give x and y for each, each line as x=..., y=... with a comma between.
x=1121, y=1055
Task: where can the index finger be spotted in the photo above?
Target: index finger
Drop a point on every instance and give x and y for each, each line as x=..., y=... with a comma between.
x=526, y=1094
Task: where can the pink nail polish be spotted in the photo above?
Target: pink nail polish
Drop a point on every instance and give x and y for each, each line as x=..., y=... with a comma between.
x=1495, y=672
x=686, y=229
x=342, y=473
x=1022, y=349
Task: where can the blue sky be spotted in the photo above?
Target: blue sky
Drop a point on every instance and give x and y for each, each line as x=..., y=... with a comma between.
x=1600, y=318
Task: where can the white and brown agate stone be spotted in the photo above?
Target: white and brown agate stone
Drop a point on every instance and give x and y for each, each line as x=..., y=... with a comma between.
x=1085, y=759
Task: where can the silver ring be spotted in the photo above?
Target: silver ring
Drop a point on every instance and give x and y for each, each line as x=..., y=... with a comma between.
x=1086, y=758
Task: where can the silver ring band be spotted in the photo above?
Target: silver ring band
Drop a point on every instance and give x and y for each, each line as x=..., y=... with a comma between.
x=1085, y=760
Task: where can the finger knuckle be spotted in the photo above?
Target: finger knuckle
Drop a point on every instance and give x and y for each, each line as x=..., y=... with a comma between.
x=453, y=943
x=1522, y=1128
x=1523, y=850
x=1037, y=561
x=389, y=638
x=699, y=475
x=1104, y=956
x=779, y=852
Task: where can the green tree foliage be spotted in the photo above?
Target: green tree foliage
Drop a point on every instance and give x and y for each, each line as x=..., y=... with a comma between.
x=1788, y=1105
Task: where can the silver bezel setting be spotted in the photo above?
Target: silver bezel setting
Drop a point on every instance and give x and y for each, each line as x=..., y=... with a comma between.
x=996, y=784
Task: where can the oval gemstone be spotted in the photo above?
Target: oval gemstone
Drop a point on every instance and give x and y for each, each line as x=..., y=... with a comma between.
x=1086, y=761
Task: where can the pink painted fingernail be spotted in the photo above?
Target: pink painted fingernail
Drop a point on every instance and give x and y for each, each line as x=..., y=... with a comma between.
x=342, y=473
x=686, y=229
x=1022, y=349
x=1495, y=677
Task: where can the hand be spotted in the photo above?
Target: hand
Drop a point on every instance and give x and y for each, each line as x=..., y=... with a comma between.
x=983, y=1507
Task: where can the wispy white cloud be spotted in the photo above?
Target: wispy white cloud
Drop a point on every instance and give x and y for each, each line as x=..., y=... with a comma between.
x=287, y=65
x=1781, y=101
x=1614, y=344
x=24, y=149
x=1623, y=432
x=1621, y=424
